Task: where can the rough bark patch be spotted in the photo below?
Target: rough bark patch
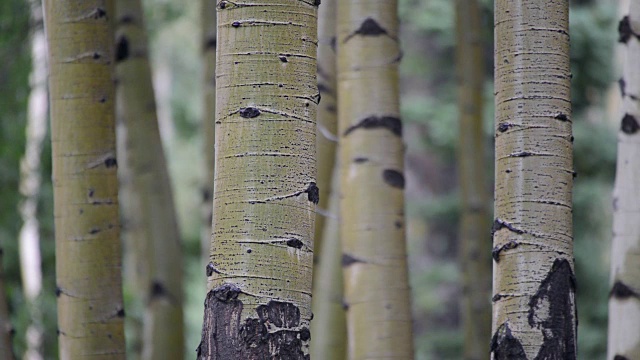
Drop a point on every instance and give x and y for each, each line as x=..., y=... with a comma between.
x=629, y=124
x=390, y=123
x=495, y=253
x=552, y=309
x=249, y=112
x=505, y=346
x=122, y=48
x=313, y=193
x=621, y=290
x=274, y=334
x=393, y=178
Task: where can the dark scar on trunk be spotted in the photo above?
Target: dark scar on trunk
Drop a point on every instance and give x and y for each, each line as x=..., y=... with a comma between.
x=623, y=85
x=348, y=260
x=226, y=335
x=122, y=48
x=499, y=224
x=295, y=243
x=552, y=309
x=390, y=123
x=502, y=127
x=562, y=117
x=505, y=346
x=249, y=112
x=313, y=193
x=393, y=178
x=620, y=290
x=369, y=27
x=495, y=253
x=625, y=32
x=110, y=162
x=629, y=124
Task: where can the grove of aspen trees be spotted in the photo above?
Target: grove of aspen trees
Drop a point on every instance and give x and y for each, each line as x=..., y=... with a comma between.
x=326, y=180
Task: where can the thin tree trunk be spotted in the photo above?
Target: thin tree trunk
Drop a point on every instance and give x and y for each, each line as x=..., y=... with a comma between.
x=327, y=114
x=209, y=41
x=329, y=326
x=624, y=300
x=259, y=300
x=88, y=250
x=475, y=220
x=6, y=329
x=29, y=240
x=534, y=311
x=148, y=205
x=372, y=225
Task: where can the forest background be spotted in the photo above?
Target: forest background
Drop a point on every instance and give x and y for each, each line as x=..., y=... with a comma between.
x=429, y=111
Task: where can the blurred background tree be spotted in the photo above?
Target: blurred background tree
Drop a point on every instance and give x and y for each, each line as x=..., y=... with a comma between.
x=430, y=114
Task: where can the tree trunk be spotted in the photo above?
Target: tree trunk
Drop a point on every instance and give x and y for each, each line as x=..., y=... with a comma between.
x=534, y=311
x=6, y=329
x=88, y=250
x=329, y=322
x=624, y=300
x=327, y=114
x=209, y=41
x=259, y=274
x=152, y=229
x=31, y=182
x=372, y=205
x=475, y=261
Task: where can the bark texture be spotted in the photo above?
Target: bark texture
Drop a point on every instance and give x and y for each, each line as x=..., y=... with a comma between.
x=624, y=299
x=209, y=41
x=329, y=322
x=265, y=192
x=534, y=311
x=327, y=114
x=151, y=232
x=88, y=267
x=372, y=225
x=475, y=261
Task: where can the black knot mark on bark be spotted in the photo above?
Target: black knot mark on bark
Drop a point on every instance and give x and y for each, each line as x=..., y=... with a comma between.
x=360, y=160
x=122, y=48
x=499, y=224
x=390, y=123
x=313, y=193
x=94, y=231
x=348, y=260
x=623, y=87
x=58, y=291
x=120, y=313
x=305, y=334
x=111, y=162
x=562, y=117
x=316, y=3
x=249, y=112
x=622, y=291
x=625, y=31
x=495, y=253
x=552, y=309
x=157, y=290
x=210, y=43
x=505, y=346
x=521, y=154
x=295, y=243
x=99, y=13
x=235, y=24
x=222, y=5
x=96, y=56
x=498, y=297
x=629, y=124
x=393, y=178
x=226, y=292
x=369, y=27
x=283, y=58
x=502, y=127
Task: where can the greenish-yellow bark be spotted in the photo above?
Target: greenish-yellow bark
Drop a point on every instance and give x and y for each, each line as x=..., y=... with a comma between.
x=327, y=114
x=329, y=322
x=372, y=226
x=624, y=300
x=209, y=41
x=88, y=250
x=259, y=275
x=6, y=329
x=151, y=227
x=534, y=311
x=474, y=258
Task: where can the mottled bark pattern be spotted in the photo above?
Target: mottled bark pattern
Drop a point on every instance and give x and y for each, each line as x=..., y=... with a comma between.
x=534, y=286
x=372, y=196
x=474, y=260
x=88, y=267
x=264, y=188
x=624, y=299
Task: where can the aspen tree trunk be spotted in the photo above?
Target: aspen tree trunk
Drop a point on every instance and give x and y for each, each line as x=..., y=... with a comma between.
x=327, y=113
x=31, y=182
x=209, y=41
x=624, y=300
x=372, y=225
x=329, y=322
x=148, y=208
x=88, y=250
x=474, y=238
x=259, y=300
x=6, y=329
x=534, y=311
